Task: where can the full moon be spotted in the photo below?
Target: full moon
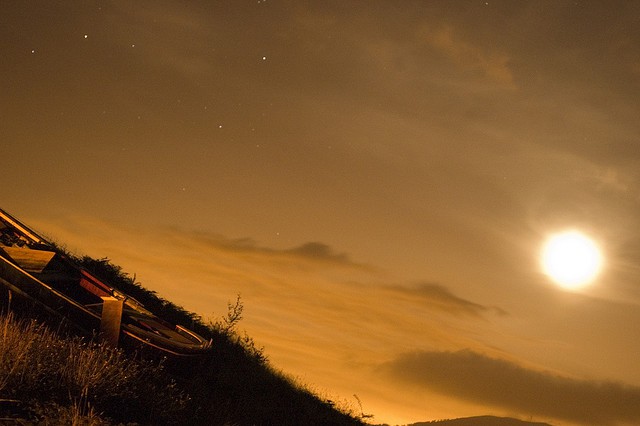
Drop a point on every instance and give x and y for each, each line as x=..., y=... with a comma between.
x=571, y=259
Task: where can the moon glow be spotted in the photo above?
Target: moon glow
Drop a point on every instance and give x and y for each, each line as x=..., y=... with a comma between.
x=571, y=259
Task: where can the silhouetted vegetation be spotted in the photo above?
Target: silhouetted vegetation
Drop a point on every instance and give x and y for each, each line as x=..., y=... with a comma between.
x=69, y=380
x=233, y=383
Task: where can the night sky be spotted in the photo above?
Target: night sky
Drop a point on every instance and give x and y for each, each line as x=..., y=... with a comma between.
x=374, y=178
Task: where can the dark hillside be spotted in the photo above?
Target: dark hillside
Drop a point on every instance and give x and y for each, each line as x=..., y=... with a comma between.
x=232, y=383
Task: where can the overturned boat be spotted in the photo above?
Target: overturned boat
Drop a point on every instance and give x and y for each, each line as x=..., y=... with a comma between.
x=34, y=269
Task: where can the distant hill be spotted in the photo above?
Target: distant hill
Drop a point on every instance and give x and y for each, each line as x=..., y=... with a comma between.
x=481, y=421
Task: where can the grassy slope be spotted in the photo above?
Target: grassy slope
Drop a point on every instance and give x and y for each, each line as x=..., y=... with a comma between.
x=232, y=384
x=50, y=379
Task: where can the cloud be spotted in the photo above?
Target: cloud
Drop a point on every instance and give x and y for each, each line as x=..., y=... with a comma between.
x=318, y=251
x=430, y=296
x=313, y=251
x=493, y=65
x=439, y=297
x=477, y=378
x=167, y=35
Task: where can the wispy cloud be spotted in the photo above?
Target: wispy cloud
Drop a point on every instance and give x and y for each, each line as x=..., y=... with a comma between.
x=319, y=251
x=492, y=64
x=311, y=251
x=168, y=35
x=439, y=297
x=313, y=281
x=499, y=383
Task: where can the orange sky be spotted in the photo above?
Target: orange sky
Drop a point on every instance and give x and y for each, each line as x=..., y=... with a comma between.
x=374, y=179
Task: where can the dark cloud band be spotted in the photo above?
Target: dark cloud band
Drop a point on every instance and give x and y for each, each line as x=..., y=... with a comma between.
x=499, y=383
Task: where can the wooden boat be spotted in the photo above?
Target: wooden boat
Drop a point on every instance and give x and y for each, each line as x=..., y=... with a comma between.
x=31, y=267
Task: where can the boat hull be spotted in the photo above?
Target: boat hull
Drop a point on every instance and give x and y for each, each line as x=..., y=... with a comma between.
x=31, y=268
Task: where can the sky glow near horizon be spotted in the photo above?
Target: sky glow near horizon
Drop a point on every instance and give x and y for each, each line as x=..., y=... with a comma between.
x=375, y=180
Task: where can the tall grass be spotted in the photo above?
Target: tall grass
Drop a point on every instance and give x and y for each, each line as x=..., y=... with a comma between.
x=71, y=381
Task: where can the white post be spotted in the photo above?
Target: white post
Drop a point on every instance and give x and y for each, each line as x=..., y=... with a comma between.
x=110, y=322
